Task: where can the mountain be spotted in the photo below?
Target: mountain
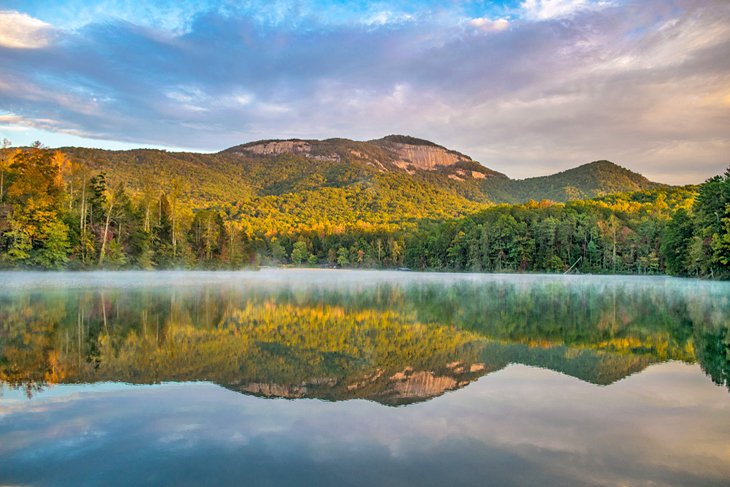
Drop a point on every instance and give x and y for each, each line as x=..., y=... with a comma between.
x=331, y=186
x=292, y=186
x=391, y=153
x=597, y=178
x=404, y=164
x=391, y=202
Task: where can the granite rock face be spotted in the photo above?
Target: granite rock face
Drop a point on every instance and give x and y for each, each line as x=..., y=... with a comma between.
x=426, y=157
x=391, y=153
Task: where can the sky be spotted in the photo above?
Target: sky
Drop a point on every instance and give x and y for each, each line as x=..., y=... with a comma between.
x=526, y=87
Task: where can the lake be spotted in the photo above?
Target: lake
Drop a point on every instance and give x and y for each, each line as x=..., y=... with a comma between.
x=327, y=377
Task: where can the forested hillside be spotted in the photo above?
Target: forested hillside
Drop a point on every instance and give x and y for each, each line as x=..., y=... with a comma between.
x=394, y=202
x=278, y=167
x=597, y=178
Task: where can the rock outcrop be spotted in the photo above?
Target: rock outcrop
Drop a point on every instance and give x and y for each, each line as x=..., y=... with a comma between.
x=391, y=153
x=425, y=157
x=278, y=147
x=413, y=153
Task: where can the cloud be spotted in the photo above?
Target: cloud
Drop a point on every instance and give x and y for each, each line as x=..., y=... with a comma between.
x=488, y=25
x=643, y=83
x=384, y=17
x=21, y=31
x=10, y=119
x=552, y=9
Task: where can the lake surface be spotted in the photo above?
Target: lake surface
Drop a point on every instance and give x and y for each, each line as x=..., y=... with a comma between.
x=311, y=377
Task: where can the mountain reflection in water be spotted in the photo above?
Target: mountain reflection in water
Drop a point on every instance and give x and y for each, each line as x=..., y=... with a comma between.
x=382, y=336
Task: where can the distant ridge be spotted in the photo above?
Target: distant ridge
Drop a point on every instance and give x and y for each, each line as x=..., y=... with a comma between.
x=597, y=178
x=284, y=166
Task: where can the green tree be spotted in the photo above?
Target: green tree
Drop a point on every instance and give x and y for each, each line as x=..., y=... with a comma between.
x=711, y=208
x=278, y=252
x=52, y=252
x=676, y=242
x=299, y=252
x=343, y=257
x=5, y=160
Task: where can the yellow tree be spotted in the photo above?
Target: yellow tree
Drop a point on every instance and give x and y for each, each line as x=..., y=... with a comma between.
x=178, y=189
x=36, y=193
x=610, y=229
x=5, y=158
x=111, y=198
x=231, y=215
x=149, y=197
x=64, y=173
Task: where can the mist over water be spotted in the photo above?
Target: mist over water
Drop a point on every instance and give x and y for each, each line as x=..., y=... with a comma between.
x=362, y=378
x=330, y=278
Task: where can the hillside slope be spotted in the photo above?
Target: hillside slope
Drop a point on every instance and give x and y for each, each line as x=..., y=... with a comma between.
x=283, y=186
x=389, y=203
x=403, y=164
x=591, y=180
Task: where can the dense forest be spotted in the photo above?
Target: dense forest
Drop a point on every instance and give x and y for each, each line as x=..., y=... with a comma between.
x=58, y=212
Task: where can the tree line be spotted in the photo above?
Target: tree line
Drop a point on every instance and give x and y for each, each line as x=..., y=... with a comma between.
x=56, y=214
x=678, y=231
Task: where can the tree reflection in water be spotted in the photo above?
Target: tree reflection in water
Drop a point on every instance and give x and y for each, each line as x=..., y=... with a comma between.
x=391, y=342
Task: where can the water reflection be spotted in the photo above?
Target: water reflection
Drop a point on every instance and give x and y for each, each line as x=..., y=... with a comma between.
x=521, y=426
x=394, y=338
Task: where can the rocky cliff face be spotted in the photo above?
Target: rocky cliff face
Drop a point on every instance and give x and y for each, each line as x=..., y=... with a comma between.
x=394, y=152
x=278, y=147
x=411, y=154
x=425, y=157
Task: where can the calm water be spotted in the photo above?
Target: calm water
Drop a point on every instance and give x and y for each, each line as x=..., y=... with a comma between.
x=362, y=378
